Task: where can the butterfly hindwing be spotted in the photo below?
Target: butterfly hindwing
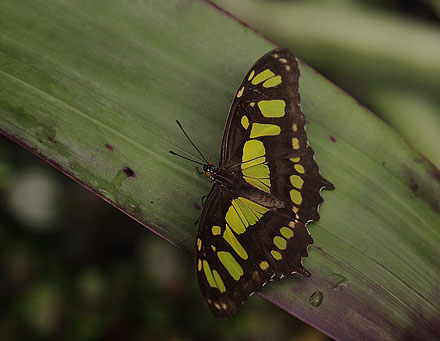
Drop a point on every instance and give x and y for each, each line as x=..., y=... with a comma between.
x=224, y=262
x=241, y=246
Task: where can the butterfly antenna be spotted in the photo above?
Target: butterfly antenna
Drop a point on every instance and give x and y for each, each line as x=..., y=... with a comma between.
x=186, y=158
x=180, y=126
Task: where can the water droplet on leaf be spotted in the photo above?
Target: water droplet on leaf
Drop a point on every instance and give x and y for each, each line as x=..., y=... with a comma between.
x=316, y=299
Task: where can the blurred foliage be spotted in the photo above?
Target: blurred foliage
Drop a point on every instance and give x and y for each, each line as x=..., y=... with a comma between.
x=384, y=53
x=75, y=268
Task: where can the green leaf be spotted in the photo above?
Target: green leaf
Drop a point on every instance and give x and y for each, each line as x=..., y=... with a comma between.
x=95, y=90
x=350, y=36
x=389, y=60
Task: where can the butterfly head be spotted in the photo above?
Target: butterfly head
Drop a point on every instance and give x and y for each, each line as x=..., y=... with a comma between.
x=210, y=171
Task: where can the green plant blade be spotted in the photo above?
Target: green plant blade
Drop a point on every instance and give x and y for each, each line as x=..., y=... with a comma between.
x=96, y=90
x=351, y=37
x=390, y=60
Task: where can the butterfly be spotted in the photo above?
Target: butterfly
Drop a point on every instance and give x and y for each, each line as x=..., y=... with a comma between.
x=266, y=189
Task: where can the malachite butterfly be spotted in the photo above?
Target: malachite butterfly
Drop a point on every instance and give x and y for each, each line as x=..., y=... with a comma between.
x=266, y=189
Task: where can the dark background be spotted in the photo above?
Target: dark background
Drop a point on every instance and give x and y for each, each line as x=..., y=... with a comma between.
x=75, y=268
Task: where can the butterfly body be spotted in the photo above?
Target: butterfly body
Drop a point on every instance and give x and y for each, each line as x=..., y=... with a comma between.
x=265, y=190
x=233, y=182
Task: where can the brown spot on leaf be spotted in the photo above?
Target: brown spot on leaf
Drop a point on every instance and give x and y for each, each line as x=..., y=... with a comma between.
x=413, y=185
x=109, y=147
x=421, y=188
x=129, y=172
x=196, y=206
x=435, y=173
x=50, y=138
x=332, y=138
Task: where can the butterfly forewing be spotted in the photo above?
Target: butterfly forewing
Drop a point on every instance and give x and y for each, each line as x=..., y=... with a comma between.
x=268, y=95
x=265, y=135
x=244, y=241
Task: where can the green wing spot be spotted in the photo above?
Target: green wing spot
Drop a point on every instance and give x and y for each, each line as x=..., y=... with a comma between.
x=271, y=82
x=276, y=255
x=262, y=76
x=286, y=232
x=219, y=281
x=231, y=265
x=272, y=108
x=299, y=168
x=264, y=265
x=249, y=216
x=216, y=230
x=235, y=244
x=240, y=92
x=208, y=275
x=259, y=129
x=256, y=208
x=280, y=242
x=295, y=143
x=261, y=173
x=251, y=210
x=240, y=213
x=234, y=221
x=253, y=153
x=296, y=196
x=245, y=122
x=296, y=181
x=292, y=224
